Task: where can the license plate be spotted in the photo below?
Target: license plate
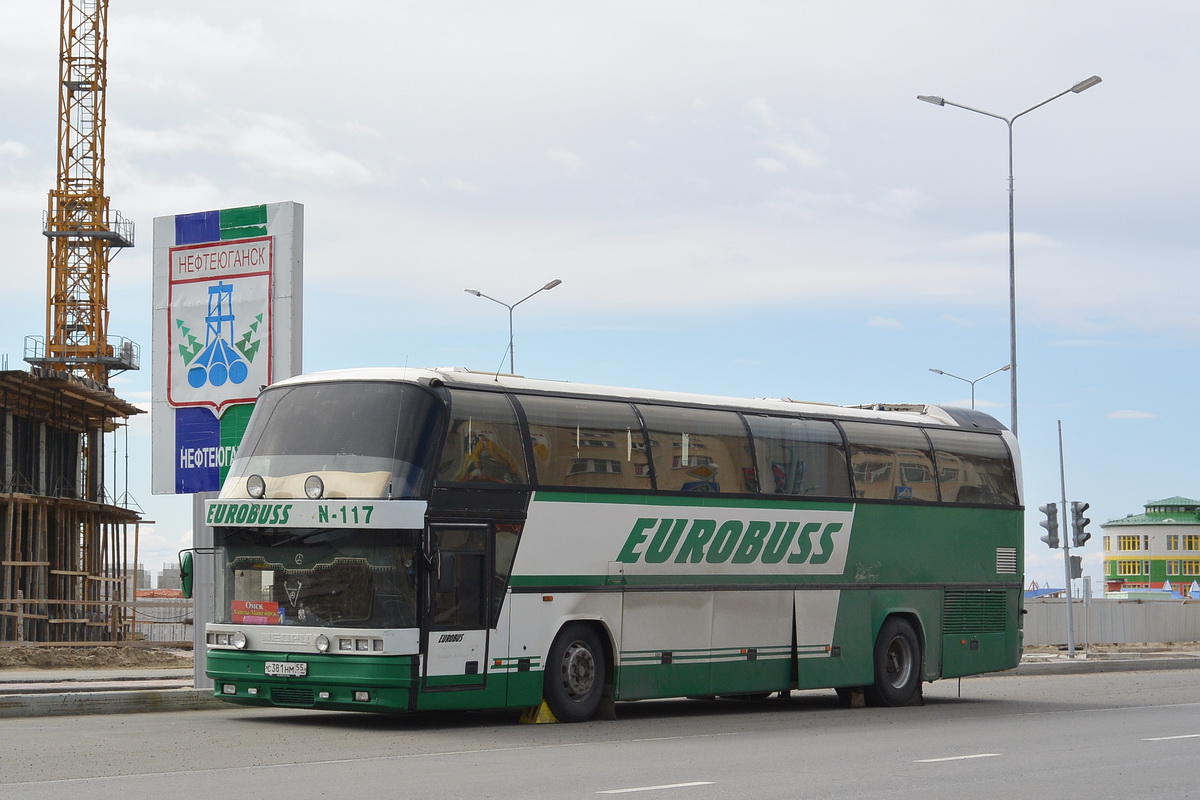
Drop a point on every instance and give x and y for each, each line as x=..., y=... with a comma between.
x=290, y=669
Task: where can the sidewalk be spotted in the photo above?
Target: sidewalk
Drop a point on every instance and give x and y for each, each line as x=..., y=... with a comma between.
x=61, y=692
x=68, y=692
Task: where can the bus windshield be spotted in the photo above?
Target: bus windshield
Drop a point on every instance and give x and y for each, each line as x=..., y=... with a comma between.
x=339, y=578
x=362, y=438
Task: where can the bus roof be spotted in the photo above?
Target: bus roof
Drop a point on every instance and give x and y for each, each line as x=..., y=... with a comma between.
x=460, y=377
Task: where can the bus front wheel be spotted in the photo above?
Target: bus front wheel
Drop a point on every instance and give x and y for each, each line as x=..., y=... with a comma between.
x=575, y=673
x=897, y=664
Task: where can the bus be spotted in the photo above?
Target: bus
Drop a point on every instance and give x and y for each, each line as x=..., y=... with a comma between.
x=398, y=540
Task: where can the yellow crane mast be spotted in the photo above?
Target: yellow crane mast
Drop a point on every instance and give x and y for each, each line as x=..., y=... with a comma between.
x=81, y=229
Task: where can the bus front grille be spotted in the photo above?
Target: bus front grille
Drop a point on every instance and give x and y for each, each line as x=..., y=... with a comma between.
x=292, y=696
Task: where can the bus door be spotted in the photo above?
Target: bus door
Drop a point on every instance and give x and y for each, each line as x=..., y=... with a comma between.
x=457, y=606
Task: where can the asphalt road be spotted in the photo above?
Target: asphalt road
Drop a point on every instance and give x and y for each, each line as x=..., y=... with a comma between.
x=1091, y=735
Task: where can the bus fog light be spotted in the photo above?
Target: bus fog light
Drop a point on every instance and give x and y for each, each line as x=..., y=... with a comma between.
x=252, y=690
x=323, y=695
x=362, y=644
x=345, y=644
x=228, y=688
x=223, y=639
x=322, y=642
x=362, y=697
x=238, y=640
x=314, y=487
x=256, y=487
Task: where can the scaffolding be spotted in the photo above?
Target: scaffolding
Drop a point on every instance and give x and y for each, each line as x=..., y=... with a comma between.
x=66, y=575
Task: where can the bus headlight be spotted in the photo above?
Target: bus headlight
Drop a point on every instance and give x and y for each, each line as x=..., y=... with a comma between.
x=322, y=642
x=256, y=487
x=238, y=640
x=314, y=487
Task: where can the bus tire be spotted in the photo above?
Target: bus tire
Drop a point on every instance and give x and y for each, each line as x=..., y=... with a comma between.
x=897, y=664
x=575, y=673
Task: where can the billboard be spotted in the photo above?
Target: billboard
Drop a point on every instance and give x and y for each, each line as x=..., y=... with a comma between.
x=227, y=322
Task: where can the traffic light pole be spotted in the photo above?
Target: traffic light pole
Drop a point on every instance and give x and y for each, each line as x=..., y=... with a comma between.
x=1066, y=544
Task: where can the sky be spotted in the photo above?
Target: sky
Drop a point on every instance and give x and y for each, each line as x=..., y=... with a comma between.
x=739, y=199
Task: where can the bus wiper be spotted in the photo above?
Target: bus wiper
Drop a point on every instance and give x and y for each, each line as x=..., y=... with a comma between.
x=296, y=537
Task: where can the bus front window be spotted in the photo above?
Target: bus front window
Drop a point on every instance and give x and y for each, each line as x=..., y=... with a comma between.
x=318, y=577
x=364, y=439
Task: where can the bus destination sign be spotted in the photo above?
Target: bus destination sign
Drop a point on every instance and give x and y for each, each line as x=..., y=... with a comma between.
x=408, y=514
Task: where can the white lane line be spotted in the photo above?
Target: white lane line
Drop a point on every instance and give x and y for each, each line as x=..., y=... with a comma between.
x=955, y=758
x=654, y=788
x=1169, y=738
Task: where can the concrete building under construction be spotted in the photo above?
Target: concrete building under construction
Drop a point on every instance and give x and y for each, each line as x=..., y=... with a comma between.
x=65, y=546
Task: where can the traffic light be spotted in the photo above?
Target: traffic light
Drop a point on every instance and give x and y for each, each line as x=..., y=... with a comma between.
x=1079, y=522
x=1050, y=523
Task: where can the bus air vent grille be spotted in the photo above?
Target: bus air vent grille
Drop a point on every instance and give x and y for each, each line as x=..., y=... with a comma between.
x=973, y=611
x=1006, y=560
x=292, y=696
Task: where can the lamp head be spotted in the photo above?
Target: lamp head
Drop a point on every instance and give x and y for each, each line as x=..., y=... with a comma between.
x=475, y=292
x=938, y=371
x=551, y=284
x=938, y=101
x=1085, y=84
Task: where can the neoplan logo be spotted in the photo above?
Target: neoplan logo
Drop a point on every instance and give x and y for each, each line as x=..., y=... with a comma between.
x=691, y=541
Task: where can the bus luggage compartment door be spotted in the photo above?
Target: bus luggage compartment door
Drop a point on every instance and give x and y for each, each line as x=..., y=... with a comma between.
x=456, y=621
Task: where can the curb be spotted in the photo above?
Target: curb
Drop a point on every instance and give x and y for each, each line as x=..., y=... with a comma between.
x=119, y=702
x=1063, y=666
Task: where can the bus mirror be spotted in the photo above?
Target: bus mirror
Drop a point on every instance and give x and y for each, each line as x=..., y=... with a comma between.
x=186, y=573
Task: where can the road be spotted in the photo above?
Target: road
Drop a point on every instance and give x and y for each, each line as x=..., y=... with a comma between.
x=1091, y=735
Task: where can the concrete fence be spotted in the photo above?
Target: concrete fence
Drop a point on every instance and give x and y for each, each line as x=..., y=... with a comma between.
x=1112, y=621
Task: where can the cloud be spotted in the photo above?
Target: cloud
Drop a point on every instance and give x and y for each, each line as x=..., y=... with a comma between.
x=284, y=145
x=761, y=110
x=1131, y=415
x=796, y=153
x=564, y=158
x=884, y=322
x=770, y=165
x=13, y=149
x=459, y=185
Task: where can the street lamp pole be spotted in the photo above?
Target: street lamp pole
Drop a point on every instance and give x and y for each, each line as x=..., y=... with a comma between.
x=1012, y=247
x=511, y=354
x=1005, y=368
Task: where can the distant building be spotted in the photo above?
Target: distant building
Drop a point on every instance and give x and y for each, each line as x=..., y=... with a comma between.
x=1156, y=550
x=168, y=578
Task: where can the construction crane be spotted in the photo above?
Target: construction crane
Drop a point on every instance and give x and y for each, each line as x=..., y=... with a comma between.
x=82, y=232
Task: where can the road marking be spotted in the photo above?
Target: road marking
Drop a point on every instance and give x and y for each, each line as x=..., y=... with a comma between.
x=1169, y=738
x=653, y=788
x=955, y=758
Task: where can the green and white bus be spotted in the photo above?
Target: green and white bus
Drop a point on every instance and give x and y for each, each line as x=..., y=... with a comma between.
x=408, y=539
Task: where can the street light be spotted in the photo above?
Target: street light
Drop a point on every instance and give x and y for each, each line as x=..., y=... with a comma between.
x=1005, y=368
x=477, y=293
x=1012, y=247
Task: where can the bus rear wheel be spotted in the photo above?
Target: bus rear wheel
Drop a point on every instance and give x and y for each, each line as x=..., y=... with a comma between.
x=897, y=664
x=575, y=674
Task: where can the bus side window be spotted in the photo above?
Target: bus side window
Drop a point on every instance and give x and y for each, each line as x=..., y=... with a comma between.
x=799, y=457
x=506, y=536
x=890, y=462
x=586, y=443
x=974, y=468
x=699, y=450
x=482, y=442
